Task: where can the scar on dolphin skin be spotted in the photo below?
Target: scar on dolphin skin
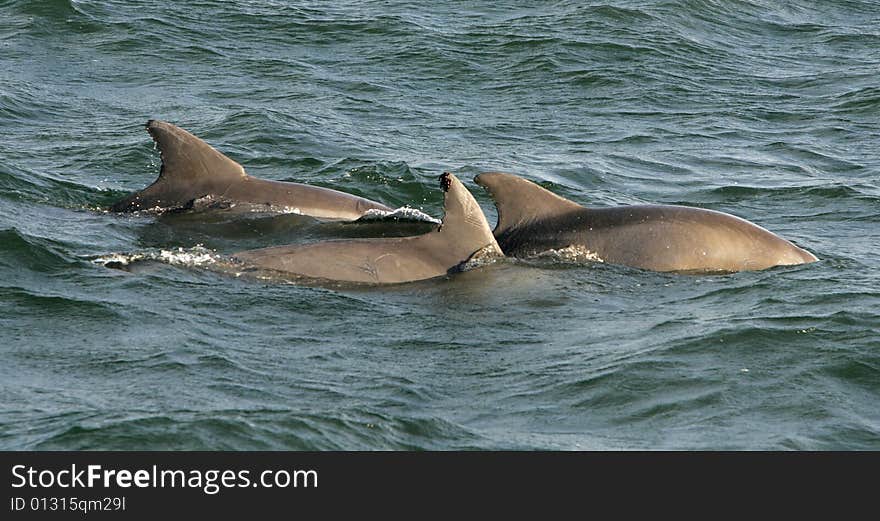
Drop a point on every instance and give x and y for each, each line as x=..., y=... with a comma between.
x=192, y=170
x=533, y=220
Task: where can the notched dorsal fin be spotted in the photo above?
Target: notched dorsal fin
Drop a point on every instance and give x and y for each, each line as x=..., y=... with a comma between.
x=464, y=222
x=520, y=201
x=186, y=158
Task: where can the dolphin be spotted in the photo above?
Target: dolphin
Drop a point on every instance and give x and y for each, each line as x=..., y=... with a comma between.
x=532, y=220
x=195, y=174
x=464, y=235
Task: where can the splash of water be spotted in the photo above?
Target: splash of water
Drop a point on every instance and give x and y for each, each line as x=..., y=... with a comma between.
x=404, y=213
x=197, y=256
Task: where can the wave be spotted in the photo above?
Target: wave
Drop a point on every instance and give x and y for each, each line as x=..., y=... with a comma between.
x=395, y=183
x=859, y=101
x=38, y=303
x=56, y=10
x=831, y=191
x=48, y=17
x=19, y=251
x=255, y=429
x=25, y=187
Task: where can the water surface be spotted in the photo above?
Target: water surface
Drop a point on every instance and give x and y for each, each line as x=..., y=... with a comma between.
x=767, y=110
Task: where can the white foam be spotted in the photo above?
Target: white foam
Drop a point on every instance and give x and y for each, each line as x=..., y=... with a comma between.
x=486, y=255
x=404, y=213
x=196, y=256
x=575, y=254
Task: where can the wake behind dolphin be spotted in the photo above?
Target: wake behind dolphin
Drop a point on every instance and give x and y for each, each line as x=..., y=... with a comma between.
x=194, y=175
x=532, y=221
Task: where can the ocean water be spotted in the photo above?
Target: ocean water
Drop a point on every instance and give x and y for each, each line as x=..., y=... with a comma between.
x=769, y=110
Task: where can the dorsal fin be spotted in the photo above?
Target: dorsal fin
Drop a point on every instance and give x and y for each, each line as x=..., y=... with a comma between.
x=190, y=169
x=464, y=223
x=520, y=201
x=187, y=158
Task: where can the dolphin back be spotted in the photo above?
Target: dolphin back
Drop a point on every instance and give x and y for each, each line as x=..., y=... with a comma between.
x=532, y=220
x=463, y=234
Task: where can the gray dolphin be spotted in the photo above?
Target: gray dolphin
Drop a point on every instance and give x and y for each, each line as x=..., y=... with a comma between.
x=194, y=171
x=532, y=220
x=463, y=236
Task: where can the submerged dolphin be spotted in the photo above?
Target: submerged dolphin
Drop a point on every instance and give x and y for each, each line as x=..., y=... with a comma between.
x=532, y=220
x=193, y=171
x=464, y=235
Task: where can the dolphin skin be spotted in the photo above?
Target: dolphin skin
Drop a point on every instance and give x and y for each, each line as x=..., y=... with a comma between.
x=532, y=220
x=463, y=235
x=194, y=171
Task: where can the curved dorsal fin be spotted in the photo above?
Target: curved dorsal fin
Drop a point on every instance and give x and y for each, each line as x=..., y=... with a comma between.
x=190, y=169
x=520, y=201
x=464, y=223
x=187, y=158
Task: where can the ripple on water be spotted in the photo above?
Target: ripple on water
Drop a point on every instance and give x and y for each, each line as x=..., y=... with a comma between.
x=258, y=430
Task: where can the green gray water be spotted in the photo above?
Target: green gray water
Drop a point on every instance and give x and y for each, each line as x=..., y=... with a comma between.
x=769, y=110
